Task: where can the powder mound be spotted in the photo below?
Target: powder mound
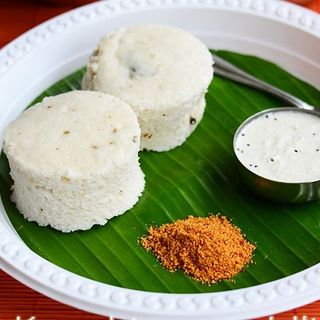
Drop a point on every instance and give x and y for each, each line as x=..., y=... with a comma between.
x=207, y=249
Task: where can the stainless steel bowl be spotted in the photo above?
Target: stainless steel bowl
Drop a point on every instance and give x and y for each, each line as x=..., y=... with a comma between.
x=278, y=191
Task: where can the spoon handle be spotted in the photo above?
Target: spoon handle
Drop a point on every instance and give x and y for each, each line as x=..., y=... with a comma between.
x=229, y=71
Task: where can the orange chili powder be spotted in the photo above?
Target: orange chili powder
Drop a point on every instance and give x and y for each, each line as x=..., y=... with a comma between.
x=207, y=249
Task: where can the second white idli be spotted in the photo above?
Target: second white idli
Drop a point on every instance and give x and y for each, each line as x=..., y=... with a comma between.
x=162, y=72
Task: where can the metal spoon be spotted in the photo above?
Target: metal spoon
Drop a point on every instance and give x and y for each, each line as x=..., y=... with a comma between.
x=273, y=190
x=230, y=71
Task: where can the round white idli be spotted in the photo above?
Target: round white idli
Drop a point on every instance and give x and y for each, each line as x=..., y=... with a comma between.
x=74, y=160
x=162, y=72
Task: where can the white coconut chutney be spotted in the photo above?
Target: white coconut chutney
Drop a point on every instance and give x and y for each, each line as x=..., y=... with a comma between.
x=282, y=146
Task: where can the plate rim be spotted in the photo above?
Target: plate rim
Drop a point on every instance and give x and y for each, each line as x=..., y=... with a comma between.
x=34, y=271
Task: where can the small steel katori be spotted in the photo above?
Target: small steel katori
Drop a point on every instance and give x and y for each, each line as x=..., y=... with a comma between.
x=297, y=192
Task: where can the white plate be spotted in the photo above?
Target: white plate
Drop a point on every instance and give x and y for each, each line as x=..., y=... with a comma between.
x=275, y=30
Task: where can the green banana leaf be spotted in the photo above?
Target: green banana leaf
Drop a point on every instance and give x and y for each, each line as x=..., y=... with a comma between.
x=198, y=178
